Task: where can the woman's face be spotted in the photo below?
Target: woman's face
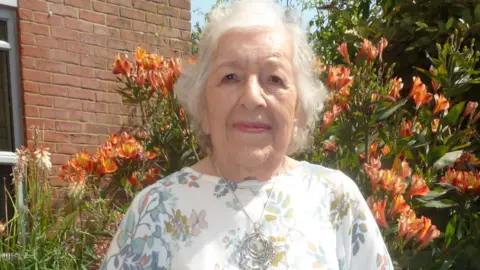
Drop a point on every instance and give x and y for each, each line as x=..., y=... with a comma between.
x=250, y=96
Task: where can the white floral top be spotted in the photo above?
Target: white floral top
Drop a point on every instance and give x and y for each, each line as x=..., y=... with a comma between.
x=316, y=217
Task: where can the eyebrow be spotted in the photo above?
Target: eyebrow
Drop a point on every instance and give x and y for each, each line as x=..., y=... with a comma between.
x=227, y=63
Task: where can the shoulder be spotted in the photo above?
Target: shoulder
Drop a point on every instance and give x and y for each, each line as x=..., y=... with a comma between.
x=335, y=179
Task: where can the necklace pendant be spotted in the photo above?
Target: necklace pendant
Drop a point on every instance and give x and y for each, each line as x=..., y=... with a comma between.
x=256, y=251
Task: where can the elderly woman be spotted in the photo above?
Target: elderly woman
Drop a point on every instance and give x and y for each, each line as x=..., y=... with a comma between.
x=253, y=100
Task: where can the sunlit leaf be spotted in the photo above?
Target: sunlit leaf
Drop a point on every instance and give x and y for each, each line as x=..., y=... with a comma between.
x=447, y=159
x=453, y=114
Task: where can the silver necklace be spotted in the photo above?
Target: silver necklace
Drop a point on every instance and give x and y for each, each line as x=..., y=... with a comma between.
x=256, y=250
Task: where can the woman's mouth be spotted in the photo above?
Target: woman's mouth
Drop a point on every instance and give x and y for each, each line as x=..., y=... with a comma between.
x=251, y=127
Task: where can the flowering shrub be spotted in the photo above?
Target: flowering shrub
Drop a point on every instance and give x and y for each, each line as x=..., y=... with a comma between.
x=412, y=151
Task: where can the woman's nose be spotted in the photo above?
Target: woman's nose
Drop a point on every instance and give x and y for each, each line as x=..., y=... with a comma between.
x=252, y=94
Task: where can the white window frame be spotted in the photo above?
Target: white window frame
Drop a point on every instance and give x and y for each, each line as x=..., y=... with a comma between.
x=8, y=14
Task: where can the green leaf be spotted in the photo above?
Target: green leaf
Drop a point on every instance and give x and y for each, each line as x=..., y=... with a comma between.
x=450, y=231
x=138, y=245
x=420, y=25
x=449, y=23
x=434, y=194
x=270, y=218
x=437, y=153
x=476, y=13
x=130, y=223
x=122, y=239
x=447, y=159
x=445, y=203
x=390, y=111
x=453, y=114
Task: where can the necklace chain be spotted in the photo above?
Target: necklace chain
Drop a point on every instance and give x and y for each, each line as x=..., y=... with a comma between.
x=256, y=225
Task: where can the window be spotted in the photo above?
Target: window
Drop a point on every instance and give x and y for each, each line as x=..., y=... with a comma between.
x=11, y=129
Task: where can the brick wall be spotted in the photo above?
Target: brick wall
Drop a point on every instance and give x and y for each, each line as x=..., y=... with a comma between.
x=67, y=50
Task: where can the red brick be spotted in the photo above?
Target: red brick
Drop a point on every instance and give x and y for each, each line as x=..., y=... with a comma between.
x=91, y=16
x=68, y=149
x=78, y=25
x=25, y=14
x=120, y=45
x=144, y=27
x=125, y=3
x=63, y=33
x=80, y=71
x=51, y=43
x=36, y=76
x=106, y=8
x=85, y=4
x=36, y=52
x=66, y=103
x=30, y=86
x=157, y=40
x=106, y=53
x=31, y=111
x=132, y=35
x=33, y=5
x=105, y=75
x=94, y=107
x=34, y=99
x=84, y=139
x=27, y=39
x=81, y=94
x=166, y=52
x=145, y=6
x=132, y=14
x=53, y=114
x=180, y=45
x=180, y=24
x=51, y=66
x=80, y=48
x=109, y=119
x=43, y=124
x=157, y=19
x=169, y=11
x=96, y=129
x=62, y=79
x=51, y=136
x=114, y=86
x=59, y=159
x=168, y=32
x=43, y=18
x=92, y=61
x=186, y=36
x=185, y=15
x=83, y=116
x=38, y=29
x=106, y=31
x=183, y=4
x=92, y=39
x=117, y=22
x=63, y=10
x=28, y=62
x=90, y=83
x=120, y=109
x=108, y=97
x=53, y=90
x=68, y=126
x=66, y=57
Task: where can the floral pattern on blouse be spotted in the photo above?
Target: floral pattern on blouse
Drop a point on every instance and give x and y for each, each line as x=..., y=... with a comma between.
x=316, y=218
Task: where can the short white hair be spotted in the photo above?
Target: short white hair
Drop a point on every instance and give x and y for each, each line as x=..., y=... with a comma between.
x=243, y=14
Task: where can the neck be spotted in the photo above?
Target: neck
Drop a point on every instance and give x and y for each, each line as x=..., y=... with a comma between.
x=262, y=172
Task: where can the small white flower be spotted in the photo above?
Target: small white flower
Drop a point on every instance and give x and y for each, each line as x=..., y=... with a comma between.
x=42, y=156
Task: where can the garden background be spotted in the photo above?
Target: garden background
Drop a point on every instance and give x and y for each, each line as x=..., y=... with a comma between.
x=401, y=120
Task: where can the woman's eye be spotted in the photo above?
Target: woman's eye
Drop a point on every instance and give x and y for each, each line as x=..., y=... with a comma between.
x=276, y=79
x=229, y=77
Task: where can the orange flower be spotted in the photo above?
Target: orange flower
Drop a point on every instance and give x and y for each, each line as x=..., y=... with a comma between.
x=404, y=222
x=399, y=206
x=373, y=175
x=343, y=50
x=129, y=149
x=121, y=65
x=175, y=66
x=378, y=211
x=406, y=129
x=401, y=167
x=396, y=85
x=441, y=103
x=328, y=119
x=419, y=92
x=418, y=187
x=435, y=84
x=338, y=77
x=385, y=150
x=372, y=53
x=140, y=54
x=152, y=174
x=107, y=165
x=434, y=125
x=398, y=187
x=150, y=155
x=382, y=44
x=388, y=178
x=475, y=119
x=182, y=114
x=114, y=139
x=133, y=180
x=365, y=47
x=429, y=236
x=470, y=110
x=414, y=227
x=330, y=146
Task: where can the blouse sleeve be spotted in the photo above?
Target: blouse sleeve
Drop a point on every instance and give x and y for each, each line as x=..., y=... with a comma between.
x=139, y=242
x=362, y=245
